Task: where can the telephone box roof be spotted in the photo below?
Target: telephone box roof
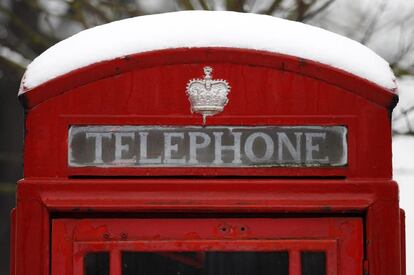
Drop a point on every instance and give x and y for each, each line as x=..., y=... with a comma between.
x=200, y=29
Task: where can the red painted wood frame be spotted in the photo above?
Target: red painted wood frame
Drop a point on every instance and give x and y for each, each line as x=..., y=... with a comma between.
x=292, y=91
x=341, y=239
x=267, y=89
x=41, y=201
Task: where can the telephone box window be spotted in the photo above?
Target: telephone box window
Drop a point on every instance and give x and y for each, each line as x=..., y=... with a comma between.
x=97, y=263
x=313, y=263
x=205, y=263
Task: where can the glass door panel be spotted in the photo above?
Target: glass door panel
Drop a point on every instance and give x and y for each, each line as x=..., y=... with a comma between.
x=205, y=263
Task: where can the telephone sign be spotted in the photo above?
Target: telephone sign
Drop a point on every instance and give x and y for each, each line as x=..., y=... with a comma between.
x=129, y=146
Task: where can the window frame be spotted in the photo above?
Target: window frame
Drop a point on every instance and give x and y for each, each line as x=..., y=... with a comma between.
x=294, y=235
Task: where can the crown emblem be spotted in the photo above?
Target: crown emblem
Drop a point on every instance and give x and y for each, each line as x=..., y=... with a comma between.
x=207, y=96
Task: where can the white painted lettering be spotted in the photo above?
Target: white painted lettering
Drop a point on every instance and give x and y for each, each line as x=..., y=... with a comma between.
x=284, y=142
x=98, y=144
x=143, y=150
x=248, y=147
x=219, y=148
x=310, y=147
x=123, y=148
x=169, y=148
x=194, y=146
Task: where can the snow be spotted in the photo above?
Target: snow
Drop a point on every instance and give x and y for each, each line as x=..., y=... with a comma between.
x=403, y=161
x=193, y=29
x=406, y=86
x=403, y=155
x=403, y=115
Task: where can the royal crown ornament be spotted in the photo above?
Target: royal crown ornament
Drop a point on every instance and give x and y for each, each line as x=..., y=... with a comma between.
x=207, y=96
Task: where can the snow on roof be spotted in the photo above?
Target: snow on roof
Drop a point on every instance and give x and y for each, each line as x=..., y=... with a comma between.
x=195, y=29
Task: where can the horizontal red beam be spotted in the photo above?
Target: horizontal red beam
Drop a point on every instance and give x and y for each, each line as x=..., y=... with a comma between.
x=206, y=195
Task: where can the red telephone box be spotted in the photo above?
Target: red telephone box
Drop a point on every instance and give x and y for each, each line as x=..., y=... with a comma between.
x=208, y=160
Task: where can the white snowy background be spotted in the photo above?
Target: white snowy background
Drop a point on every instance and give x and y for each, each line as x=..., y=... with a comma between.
x=403, y=160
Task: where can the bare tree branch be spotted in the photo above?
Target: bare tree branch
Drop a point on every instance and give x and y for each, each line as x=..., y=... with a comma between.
x=373, y=24
x=97, y=11
x=302, y=6
x=315, y=12
x=185, y=4
x=16, y=45
x=273, y=7
x=235, y=5
x=29, y=35
x=204, y=4
x=12, y=66
x=78, y=15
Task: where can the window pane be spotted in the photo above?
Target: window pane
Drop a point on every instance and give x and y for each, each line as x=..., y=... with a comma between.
x=205, y=263
x=97, y=263
x=313, y=263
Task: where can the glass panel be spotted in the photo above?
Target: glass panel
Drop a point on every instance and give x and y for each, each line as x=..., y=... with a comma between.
x=97, y=263
x=313, y=263
x=205, y=263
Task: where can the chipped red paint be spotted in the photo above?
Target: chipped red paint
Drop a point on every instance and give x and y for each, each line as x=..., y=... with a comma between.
x=358, y=202
x=374, y=201
x=301, y=234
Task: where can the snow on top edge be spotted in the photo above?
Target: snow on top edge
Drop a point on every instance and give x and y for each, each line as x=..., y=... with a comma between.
x=196, y=29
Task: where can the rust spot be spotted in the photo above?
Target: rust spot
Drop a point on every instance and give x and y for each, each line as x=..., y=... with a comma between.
x=241, y=230
x=106, y=236
x=224, y=228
